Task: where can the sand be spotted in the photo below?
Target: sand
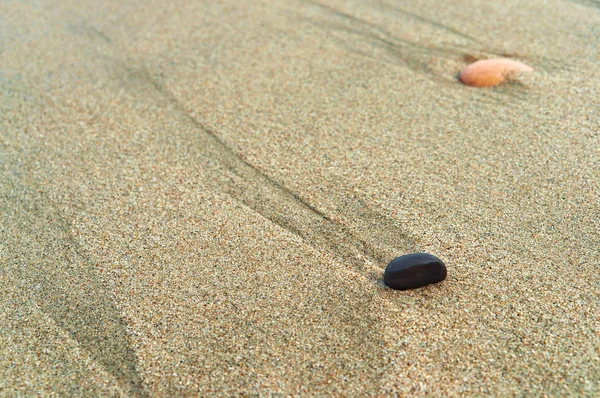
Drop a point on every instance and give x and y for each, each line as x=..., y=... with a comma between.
x=200, y=198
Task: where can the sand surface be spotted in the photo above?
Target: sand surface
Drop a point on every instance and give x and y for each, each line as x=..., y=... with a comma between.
x=199, y=198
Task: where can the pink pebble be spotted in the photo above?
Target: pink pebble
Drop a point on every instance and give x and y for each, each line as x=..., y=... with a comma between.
x=491, y=72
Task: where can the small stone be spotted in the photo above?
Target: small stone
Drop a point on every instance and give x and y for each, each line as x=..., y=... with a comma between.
x=491, y=72
x=414, y=270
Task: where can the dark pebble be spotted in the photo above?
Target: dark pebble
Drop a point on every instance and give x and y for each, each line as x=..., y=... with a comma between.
x=414, y=270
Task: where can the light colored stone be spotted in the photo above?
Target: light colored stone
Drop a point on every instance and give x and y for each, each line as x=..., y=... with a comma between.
x=491, y=72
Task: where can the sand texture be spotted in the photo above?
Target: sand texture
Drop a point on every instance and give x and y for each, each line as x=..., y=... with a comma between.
x=199, y=198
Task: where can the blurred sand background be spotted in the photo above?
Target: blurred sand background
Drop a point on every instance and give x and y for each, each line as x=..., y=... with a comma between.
x=199, y=198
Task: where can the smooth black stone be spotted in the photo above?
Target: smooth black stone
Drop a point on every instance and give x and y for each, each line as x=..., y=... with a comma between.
x=414, y=270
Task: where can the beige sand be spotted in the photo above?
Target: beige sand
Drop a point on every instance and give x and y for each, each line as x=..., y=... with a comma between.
x=199, y=198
